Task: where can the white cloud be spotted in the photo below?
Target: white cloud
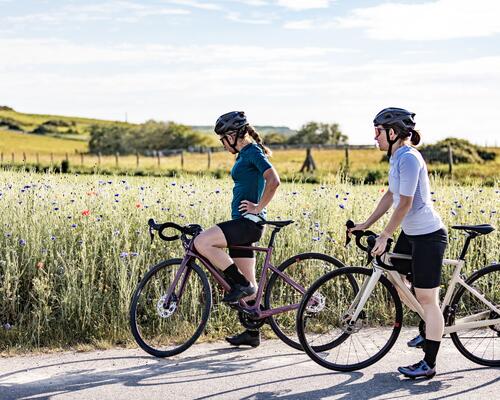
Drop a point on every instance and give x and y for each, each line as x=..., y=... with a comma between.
x=108, y=10
x=436, y=20
x=299, y=5
x=277, y=85
x=196, y=4
x=302, y=24
x=236, y=17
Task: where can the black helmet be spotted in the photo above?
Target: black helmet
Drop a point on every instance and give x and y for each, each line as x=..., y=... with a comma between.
x=395, y=116
x=231, y=122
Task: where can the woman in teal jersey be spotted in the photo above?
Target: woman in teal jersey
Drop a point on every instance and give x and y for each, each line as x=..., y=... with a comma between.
x=255, y=183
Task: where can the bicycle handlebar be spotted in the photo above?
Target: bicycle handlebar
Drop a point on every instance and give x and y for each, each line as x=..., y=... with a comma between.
x=192, y=230
x=371, y=238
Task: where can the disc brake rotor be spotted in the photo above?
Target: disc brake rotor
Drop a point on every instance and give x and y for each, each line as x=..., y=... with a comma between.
x=165, y=308
x=316, y=303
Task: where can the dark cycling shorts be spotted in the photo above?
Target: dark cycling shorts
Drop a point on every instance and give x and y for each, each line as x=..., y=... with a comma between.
x=427, y=253
x=241, y=232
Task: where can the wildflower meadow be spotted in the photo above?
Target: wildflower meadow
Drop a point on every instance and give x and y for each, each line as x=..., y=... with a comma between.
x=74, y=247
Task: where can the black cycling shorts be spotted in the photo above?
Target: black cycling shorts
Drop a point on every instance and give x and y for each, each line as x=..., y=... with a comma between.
x=427, y=253
x=241, y=232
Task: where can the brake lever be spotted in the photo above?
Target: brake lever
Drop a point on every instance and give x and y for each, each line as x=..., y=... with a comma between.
x=349, y=224
x=151, y=222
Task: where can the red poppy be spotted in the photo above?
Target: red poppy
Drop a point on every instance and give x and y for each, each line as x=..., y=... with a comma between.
x=138, y=205
x=86, y=213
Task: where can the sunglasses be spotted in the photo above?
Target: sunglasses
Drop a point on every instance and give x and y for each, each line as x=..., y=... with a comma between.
x=378, y=131
x=225, y=136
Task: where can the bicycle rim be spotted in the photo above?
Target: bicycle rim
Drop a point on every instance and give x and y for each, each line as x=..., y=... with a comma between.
x=481, y=345
x=303, y=269
x=165, y=326
x=332, y=338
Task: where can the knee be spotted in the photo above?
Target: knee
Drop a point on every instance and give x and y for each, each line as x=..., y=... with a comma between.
x=427, y=299
x=201, y=243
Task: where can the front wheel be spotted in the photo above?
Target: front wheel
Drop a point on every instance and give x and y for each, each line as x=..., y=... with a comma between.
x=481, y=345
x=304, y=269
x=336, y=340
x=163, y=326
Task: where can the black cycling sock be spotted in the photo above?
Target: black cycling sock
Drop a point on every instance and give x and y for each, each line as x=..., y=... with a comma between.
x=431, y=348
x=235, y=275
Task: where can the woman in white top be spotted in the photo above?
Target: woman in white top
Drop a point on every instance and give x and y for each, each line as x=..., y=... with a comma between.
x=423, y=234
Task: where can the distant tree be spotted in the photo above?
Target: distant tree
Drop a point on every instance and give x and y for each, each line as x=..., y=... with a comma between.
x=150, y=136
x=318, y=133
x=463, y=152
x=109, y=139
x=275, y=138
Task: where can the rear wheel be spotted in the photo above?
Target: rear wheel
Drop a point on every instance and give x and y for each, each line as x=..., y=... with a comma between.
x=332, y=338
x=304, y=269
x=481, y=345
x=166, y=327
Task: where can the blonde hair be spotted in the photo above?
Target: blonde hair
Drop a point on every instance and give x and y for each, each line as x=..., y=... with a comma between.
x=256, y=137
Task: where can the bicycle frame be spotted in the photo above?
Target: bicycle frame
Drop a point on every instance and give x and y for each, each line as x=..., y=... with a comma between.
x=470, y=322
x=191, y=254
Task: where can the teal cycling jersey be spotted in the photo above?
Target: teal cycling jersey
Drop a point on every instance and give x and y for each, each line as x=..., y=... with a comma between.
x=247, y=174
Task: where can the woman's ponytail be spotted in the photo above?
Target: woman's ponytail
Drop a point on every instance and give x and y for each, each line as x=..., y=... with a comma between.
x=255, y=136
x=415, y=136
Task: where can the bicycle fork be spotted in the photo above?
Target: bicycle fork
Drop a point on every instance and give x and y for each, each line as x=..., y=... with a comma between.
x=363, y=295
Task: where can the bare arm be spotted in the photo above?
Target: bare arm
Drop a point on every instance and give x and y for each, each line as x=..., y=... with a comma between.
x=383, y=205
x=397, y=216
x=272, y=182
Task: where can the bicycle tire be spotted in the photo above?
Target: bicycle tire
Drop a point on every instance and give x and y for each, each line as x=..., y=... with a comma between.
x=284, y=324
x=313, y=351
x=205, y=301
x=457, y=303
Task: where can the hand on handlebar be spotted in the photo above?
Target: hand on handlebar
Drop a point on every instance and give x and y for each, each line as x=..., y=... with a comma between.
x=359, y=227
x=380, y=245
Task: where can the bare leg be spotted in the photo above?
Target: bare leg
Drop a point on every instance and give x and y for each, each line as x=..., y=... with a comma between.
x=434, y=321
x=210, y=244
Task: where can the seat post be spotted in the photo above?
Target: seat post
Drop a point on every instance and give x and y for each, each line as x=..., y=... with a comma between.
x=470, y=236
x=273, y=235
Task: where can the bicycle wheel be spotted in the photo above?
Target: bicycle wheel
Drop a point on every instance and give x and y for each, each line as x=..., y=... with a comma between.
x=166, y=327
x=331, y=338
x=481, y=345
x=304, y=269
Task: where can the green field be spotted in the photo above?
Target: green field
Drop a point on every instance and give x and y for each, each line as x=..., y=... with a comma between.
x=67, y=275
x=41, y=151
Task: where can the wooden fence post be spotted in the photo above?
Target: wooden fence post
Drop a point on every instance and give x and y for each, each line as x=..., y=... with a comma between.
x=158, y=156
x=209, y=158
x=1, y=158
x=137, y=160
x=450, y=159
x=309, y=164
x=24, y=157
x=81, y=159
x=51, y=158
x=13, y=158
x=99, y=158
x=117, y=156
x=37, y=158
x=67, y=157
x=182, y=159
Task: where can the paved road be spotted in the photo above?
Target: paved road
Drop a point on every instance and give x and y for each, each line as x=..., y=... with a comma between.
x=215, y=371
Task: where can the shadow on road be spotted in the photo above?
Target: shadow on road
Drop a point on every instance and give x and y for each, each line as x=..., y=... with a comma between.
x=153, y=372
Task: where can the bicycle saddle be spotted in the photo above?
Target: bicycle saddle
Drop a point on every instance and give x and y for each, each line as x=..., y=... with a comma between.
x=277, y=224
x=482, y=229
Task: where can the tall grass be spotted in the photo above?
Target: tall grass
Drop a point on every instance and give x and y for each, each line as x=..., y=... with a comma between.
x=73, y=248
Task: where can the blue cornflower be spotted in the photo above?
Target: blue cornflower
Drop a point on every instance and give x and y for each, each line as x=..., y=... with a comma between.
x=22, y=242
x=74, y=225
x=123, y=254
x=341, y=206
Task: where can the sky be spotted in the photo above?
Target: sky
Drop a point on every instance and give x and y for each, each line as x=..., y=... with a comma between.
x=284, y=62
